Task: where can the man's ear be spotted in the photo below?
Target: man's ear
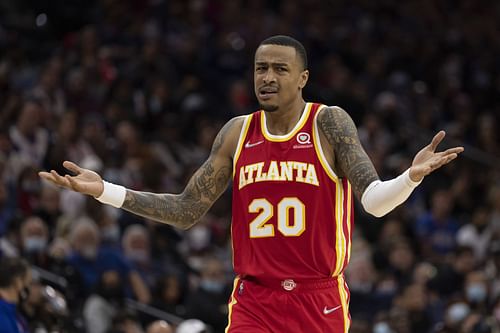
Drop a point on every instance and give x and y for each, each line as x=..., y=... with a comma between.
x=304, y=76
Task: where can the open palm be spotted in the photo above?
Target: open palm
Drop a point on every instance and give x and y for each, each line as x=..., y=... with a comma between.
x=85, y=181
x=427, y=160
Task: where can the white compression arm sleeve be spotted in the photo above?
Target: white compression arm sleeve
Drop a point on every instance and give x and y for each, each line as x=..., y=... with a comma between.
x=381, y=197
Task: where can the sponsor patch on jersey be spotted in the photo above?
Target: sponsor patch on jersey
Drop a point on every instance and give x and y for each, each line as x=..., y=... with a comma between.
x=304, y=141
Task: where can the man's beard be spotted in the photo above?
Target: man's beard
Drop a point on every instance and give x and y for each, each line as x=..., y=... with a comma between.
x=269, y=108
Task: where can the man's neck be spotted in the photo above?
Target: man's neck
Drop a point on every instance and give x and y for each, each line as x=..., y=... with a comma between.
x=282, y=121
x=8, y=295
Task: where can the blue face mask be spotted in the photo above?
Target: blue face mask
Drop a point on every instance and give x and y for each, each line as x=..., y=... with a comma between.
x=34, y=244
x=212, y=286
x=111, y=233
x=476, y=292
x=382, y=327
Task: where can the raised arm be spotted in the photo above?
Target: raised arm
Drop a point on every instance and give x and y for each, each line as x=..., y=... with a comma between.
x=180, y=210
x=350, y=160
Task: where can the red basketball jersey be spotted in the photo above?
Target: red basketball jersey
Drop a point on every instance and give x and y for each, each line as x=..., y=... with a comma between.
x=292, y=216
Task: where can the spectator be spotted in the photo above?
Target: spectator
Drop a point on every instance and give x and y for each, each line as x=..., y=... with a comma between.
x=136, y=248
x=476, y=290
x=104, y=303
x=15, y=281
x=159, y=326
x=126, y=322
x=34, y=238
x=208, y=301
x=29, y=139
x=169, y=295
x=477, y=234
x=91, y=261
x=450, y=278
x=437, y=228
x=192, y=326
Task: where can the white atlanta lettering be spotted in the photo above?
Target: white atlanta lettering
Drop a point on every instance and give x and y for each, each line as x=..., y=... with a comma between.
x=294, y=171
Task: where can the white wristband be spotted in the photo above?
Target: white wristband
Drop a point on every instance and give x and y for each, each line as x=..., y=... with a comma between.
x=112, y=194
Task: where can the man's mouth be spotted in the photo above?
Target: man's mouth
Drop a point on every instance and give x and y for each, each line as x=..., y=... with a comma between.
x=267, y=92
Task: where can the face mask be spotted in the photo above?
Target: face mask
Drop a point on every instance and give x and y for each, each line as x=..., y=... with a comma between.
x=457, y=312
x=34, y=244
x=89, y=252
x=111, y=233
x=212, y=286
x=381, y=327
x=140, y=256
x=476, y=292
x=198, y=237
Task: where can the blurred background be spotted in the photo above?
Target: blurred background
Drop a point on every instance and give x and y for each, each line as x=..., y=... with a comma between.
x=138, y=89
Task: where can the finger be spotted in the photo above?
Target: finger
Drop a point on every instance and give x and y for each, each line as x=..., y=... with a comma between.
x=436, y=140
x=59, y=180
x=445, y=160
x=455, y=150
x=47, y=176
x=74, y=185
x=72, y=167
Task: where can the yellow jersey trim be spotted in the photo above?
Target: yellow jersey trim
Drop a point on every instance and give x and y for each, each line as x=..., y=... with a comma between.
x=293, y=132
x=241, y=140
x=340, y=242
x=319, y=149
x=348, y=220
x=344, y=302
x=231, y=304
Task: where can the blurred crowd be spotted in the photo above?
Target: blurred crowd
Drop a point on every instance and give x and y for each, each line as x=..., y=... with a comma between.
x=137, y=90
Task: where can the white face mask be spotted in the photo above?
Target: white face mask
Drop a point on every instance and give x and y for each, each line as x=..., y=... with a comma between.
x=34, y=244
x=89, y=252
x=138, y=255
x=457, y=312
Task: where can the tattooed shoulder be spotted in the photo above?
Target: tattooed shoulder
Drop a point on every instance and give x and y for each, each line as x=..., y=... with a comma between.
x=352, y=160
x=230, y=129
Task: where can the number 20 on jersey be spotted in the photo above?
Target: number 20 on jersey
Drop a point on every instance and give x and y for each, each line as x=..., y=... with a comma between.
x=285, y=209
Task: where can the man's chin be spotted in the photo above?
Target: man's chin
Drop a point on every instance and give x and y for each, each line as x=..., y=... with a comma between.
x=269, y=107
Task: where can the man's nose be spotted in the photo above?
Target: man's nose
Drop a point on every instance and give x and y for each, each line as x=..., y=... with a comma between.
x=269, y=77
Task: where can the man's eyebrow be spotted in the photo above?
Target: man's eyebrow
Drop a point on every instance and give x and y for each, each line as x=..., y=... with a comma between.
x=272, y=63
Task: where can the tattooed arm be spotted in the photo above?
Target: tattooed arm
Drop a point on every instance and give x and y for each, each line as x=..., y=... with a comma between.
x=205, y=186
x=350, y=158
x=377, y=197
x=180, y=210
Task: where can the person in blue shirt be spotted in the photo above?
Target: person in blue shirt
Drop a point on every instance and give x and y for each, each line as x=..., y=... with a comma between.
x=90, y=260
x=15, y=281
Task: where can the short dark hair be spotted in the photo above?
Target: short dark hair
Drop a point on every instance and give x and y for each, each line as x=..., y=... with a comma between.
x=288, y=41
x=10, y=269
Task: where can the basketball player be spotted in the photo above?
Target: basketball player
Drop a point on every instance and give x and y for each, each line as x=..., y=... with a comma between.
x=294, y=167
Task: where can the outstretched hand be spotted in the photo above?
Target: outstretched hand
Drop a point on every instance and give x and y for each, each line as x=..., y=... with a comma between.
x=85, y=181
x=427, y=160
